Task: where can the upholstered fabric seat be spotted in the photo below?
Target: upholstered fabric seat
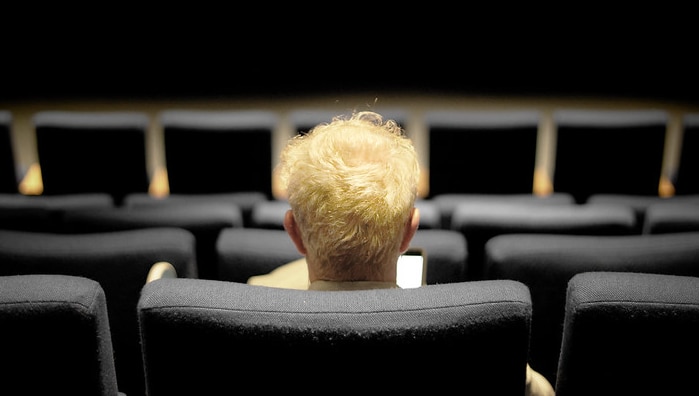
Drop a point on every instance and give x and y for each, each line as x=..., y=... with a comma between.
x=198, y=335
x=546, y=263
x=55, y=337
x=631, y=334
x=120, y=261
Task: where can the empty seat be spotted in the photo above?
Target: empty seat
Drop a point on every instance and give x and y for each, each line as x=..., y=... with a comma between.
x=55, y=336
x=188, y=326
x=676, y=214
x=204, y=220
x=482, y=151
x=481, y=221
x=631, y=334
x=686, y=178
x=609, y=151
x=245, y=201
x=545, y=263
x=447, y=203
x=223, y=151
x=44, y=213
x=92, y=152
x=119, y=261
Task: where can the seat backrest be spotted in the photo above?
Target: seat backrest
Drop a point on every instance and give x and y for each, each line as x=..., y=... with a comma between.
x=481, y=221
x=89, y=152
x=245, y=200
x=608, y=151
x=9, y=177
x=447, y=203
x=204, y=220
x=55, y=336
x=676, y=214
x=686, y=177
x=545, y=263
x=119, y=261
x=210, y=151
x=44, y=213
x=630, y=334
x=211, y=330
x=495, y=150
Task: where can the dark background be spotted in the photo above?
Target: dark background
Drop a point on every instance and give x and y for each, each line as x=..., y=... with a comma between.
x=233, y=52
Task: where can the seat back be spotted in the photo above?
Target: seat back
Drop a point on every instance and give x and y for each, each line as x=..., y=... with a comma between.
x=55, y=337
x=481, y=221
x=218, y=151
x=204, y=220
x=9, y=177
x=92, y=152
x=686, y=177
x=545, y=263
x=609, y=151
x=188, y=325
x=676, y=214
x=496, y=149
x=44, y=213
x=631, y=334
x=119, y=261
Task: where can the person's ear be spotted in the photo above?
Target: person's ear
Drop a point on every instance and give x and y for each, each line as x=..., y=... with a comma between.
x=293, y=230
x=410, y=229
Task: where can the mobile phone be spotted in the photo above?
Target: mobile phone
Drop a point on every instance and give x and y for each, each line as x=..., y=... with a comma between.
x=412, y=268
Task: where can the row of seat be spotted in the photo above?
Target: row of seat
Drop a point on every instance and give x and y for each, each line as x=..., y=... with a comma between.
x=621, y=332
x=465, y=151
x=121, y=261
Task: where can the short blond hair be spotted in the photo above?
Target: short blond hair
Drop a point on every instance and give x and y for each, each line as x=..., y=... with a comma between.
x=352, y=185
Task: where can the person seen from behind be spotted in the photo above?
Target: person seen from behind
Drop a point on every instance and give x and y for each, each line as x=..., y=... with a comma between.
x=352, y=185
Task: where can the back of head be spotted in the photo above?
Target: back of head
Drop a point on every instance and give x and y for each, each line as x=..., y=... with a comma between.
x=351, y=184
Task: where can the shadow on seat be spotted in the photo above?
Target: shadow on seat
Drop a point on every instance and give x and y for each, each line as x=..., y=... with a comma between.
x=631, y=334
x=55, y=336
x=210, y=329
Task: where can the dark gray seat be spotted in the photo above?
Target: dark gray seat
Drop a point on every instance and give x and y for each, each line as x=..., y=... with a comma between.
x=189, y=325
x=92, y=152
x=120, y=261
x=55, y=337
x=481, y=221
x=630, y=334
x=609, y=151
x=494, y=150
x=546, y=263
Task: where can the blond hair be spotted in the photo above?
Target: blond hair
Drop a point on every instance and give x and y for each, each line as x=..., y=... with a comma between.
x=352, y=185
